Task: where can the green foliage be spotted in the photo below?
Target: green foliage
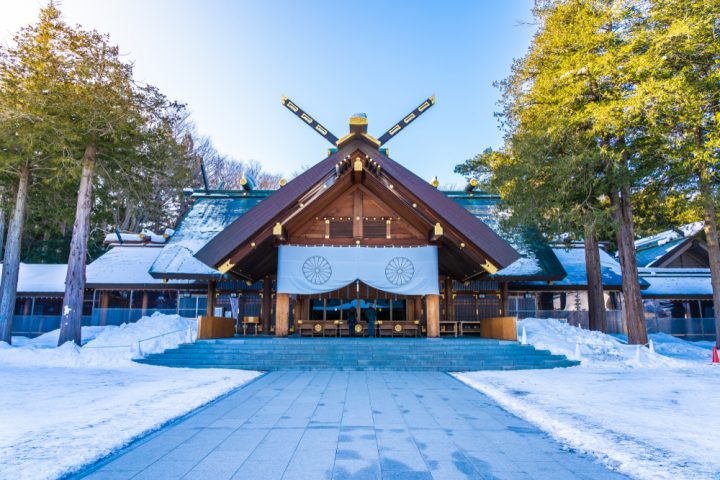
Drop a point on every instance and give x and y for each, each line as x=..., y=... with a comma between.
x=611, y=95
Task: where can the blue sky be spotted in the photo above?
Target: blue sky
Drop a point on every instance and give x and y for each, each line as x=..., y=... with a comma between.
x=232, y=61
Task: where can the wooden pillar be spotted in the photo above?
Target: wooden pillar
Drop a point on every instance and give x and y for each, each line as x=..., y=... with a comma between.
x=282, y=314
x=504, y=300
x=104, y=302
x=432, y=304
x=145, y=302
x=27, y=306
x=449, y=301
x=267, y=304
x=210, y=308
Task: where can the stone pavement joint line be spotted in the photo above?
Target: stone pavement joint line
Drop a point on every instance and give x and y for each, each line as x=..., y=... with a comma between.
x=351, y=425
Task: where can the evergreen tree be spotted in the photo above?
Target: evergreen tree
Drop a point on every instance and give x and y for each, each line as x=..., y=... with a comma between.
x=33, y=76
x=570, y=110
x=121, y=128
x=682, y=93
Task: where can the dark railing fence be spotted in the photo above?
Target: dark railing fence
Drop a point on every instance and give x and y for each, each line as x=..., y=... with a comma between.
x=693, y=329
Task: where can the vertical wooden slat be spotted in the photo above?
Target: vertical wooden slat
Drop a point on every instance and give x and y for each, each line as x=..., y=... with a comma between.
x=357, y=214
x=282, y=313
x=267, y=304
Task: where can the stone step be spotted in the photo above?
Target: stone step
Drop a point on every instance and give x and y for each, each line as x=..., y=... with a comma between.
x=421, y=354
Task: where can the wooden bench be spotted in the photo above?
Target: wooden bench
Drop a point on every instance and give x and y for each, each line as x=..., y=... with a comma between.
x=471, y=327
x=397, y=328
x=449, y=328
x=318, y=328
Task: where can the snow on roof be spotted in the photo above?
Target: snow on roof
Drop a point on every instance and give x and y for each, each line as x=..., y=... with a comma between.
x=676, y=282
x=41, y=278
x=684, y=231
x=573, y=261
x=145, y=236
x=123, y=265
x=208, y=216
x=653, y=248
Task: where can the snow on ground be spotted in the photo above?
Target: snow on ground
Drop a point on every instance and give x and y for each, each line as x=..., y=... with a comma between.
x=648, y=415
x=63, y=408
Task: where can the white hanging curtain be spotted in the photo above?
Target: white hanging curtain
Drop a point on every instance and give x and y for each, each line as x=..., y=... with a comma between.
x=405, y=271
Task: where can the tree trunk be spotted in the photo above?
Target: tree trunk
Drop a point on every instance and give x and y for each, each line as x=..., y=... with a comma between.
x=596, y=298
x=2, y=228
x=634, y=314
x=711, y=237
x=71, y=319
x=11, y=263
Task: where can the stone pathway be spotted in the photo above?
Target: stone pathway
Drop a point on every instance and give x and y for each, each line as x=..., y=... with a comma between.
x=351, y=425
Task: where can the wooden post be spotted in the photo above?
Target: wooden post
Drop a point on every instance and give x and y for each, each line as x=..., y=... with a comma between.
x=267, y=304
x=210, y=308
x=432, y=303
x=145, y=302
x=504, y=300
x=449, y=302
x=282, y=314
x=26, y=306
x=104, y=302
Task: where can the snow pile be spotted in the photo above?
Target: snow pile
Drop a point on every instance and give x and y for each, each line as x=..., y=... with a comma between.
x=680, y=349
x=598, y=349
x=106, y=346
x=63, y=408
x=655, y=418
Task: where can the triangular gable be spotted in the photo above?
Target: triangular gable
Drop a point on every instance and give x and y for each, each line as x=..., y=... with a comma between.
x=453, y=216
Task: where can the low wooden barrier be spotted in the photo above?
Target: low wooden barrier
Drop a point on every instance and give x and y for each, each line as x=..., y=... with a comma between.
x=215, y=327
x=500, y=328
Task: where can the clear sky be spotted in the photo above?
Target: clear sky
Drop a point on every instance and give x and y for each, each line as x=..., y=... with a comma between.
x=231, y=61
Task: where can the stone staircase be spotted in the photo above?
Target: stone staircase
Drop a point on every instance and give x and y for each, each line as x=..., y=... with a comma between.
x=445, y=354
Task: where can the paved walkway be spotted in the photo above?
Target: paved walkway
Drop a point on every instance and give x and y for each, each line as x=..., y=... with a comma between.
x=351, y=425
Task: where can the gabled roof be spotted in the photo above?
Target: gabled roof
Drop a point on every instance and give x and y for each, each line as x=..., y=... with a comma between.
x=215, y=252
x=650, y=251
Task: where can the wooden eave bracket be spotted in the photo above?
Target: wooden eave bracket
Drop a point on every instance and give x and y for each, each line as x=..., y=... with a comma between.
x=436, y=233
x=280, y=233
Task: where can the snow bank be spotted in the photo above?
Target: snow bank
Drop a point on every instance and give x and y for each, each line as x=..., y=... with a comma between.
x=65, y=407
x=655, y=418
x=601, y=350
x=105, y=346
